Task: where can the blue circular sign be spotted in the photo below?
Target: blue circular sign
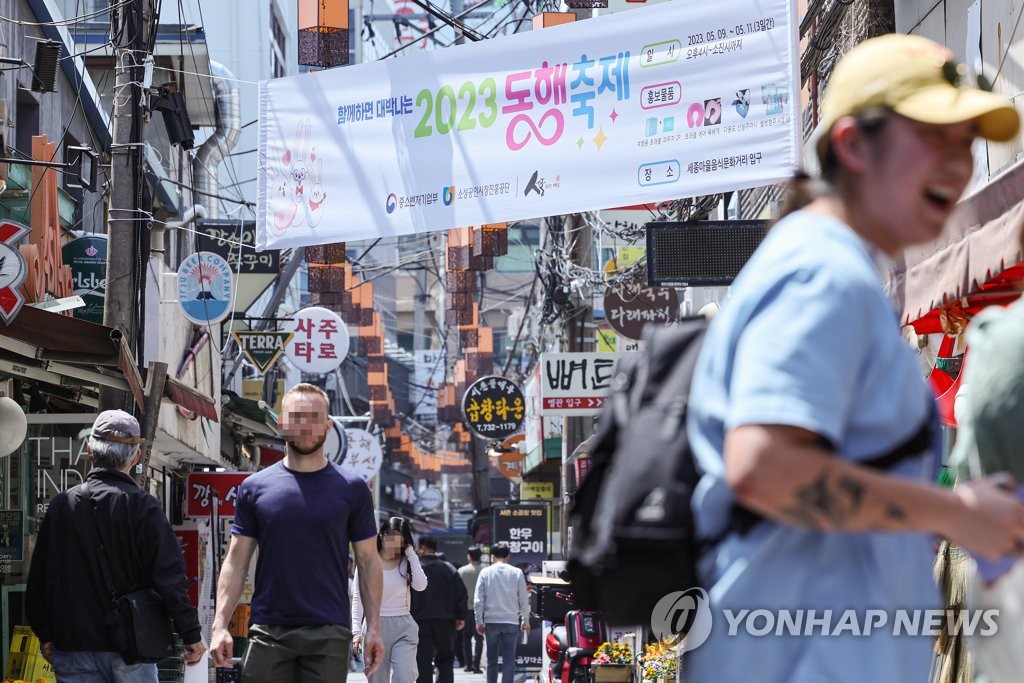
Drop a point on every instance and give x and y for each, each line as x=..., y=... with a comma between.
x=205, y=286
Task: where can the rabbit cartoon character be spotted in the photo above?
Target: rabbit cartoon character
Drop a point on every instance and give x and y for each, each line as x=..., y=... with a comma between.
x=282, y=194
x=317, y=194
x=300, y=171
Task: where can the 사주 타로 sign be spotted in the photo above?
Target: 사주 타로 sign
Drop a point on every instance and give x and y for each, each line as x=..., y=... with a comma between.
x=674, y=100
x=320, y=340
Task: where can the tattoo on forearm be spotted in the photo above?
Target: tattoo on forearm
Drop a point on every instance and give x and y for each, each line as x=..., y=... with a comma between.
x=895, y=512
x=822, y=503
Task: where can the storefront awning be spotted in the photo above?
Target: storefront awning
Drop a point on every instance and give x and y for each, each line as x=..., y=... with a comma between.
x=74, y=354
x=972, y=263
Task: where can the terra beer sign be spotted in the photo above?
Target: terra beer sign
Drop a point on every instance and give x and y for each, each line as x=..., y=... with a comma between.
x=493, y=408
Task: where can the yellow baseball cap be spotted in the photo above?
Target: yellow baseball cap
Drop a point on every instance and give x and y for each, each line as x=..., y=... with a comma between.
x=916, y=78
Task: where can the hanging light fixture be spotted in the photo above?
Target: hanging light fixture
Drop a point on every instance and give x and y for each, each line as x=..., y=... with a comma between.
x=323, y=33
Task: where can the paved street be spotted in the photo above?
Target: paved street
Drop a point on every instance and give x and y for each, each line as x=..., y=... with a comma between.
x=460, y=677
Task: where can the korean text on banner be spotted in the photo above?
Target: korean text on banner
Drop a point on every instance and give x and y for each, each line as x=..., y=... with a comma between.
x=674, y=100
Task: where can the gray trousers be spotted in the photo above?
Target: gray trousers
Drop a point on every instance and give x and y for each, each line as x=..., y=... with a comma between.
x=400, y=636
x=297, y=654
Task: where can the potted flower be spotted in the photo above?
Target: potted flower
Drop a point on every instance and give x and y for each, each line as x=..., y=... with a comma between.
x=613, y=663
x=659, y=661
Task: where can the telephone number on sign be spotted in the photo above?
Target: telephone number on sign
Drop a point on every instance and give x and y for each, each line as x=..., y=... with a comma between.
x=496, y=426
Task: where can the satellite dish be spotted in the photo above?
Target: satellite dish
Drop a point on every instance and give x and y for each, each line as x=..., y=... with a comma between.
x=13, y=426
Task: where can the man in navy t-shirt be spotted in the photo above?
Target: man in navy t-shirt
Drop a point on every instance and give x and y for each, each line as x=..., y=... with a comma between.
x=302, y=513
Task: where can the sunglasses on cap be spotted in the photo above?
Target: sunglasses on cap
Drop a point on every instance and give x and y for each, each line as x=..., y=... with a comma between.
x=956, y=75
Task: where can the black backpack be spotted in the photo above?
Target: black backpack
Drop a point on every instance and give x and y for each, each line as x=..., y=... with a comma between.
x=633, y=534
x=634, y=540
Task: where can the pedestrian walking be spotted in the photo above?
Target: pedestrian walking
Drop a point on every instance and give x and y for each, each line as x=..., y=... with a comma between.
x=398, y=630
x=105, y=525
x=302, y=513
x=439, y=611
x=806, y=400
x=502, y=607
x=472, y=642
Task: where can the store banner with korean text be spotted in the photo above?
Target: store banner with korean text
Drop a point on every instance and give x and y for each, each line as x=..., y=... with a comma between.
x=675, y=100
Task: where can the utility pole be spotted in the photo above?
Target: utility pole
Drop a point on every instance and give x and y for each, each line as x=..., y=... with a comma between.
x=578, y=332
x=133, y=24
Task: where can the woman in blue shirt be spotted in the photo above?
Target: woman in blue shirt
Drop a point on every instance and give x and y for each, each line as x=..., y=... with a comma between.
x=804, y=373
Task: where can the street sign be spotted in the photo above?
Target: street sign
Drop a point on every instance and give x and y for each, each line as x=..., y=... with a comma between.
x=87, y=257
x=431, y=498
x=536, y=490
x=575, y=383
x=262, y=349
x=364, y=456
x=320, y=343
x=203, y=487
x=524, y=528
x=629, y=309
x=493, y=408
x=13, y=270
x=223, y=235
x=205, y=285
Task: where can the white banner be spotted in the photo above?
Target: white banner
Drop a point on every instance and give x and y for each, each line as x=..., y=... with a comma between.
x=675, y=100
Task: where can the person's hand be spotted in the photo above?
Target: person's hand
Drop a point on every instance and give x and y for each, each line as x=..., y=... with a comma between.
x=480, y=628
x=222, y=646
x=46, y=650
x=990, y=520
x=374, y=652
x=193, y=652
x=459, y=624
x=357, y=644
x=524, y=627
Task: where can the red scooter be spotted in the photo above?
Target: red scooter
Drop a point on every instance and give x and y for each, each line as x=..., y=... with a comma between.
x=571, y=647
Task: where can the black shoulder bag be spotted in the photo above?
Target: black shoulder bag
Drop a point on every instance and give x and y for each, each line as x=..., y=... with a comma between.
x=138, y=620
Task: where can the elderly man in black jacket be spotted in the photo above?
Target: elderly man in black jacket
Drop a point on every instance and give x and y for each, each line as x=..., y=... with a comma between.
x=67, y=600
x=439, y=611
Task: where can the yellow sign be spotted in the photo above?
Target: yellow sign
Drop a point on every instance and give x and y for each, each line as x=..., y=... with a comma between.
x=607, y=340
x=536, y=490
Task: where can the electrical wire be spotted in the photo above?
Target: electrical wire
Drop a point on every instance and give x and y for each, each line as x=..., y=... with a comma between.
x=68, y=22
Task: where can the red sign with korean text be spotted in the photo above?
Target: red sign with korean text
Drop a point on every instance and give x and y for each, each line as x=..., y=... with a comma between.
x=203, y=487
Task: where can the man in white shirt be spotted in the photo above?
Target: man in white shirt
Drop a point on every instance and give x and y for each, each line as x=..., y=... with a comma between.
x=502, y=608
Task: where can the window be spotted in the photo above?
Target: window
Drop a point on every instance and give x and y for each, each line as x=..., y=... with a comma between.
x=278, y=44
x=26, y=122
x=523, y=240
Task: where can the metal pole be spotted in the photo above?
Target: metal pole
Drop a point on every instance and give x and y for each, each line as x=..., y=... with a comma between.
x=127, y=233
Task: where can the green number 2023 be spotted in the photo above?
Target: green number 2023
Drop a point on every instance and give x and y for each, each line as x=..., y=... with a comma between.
x=445, y=107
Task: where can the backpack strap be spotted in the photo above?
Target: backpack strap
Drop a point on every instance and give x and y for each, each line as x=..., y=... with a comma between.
x=744, y=519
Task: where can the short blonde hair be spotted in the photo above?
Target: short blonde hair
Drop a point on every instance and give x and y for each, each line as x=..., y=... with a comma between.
x=307, y=388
